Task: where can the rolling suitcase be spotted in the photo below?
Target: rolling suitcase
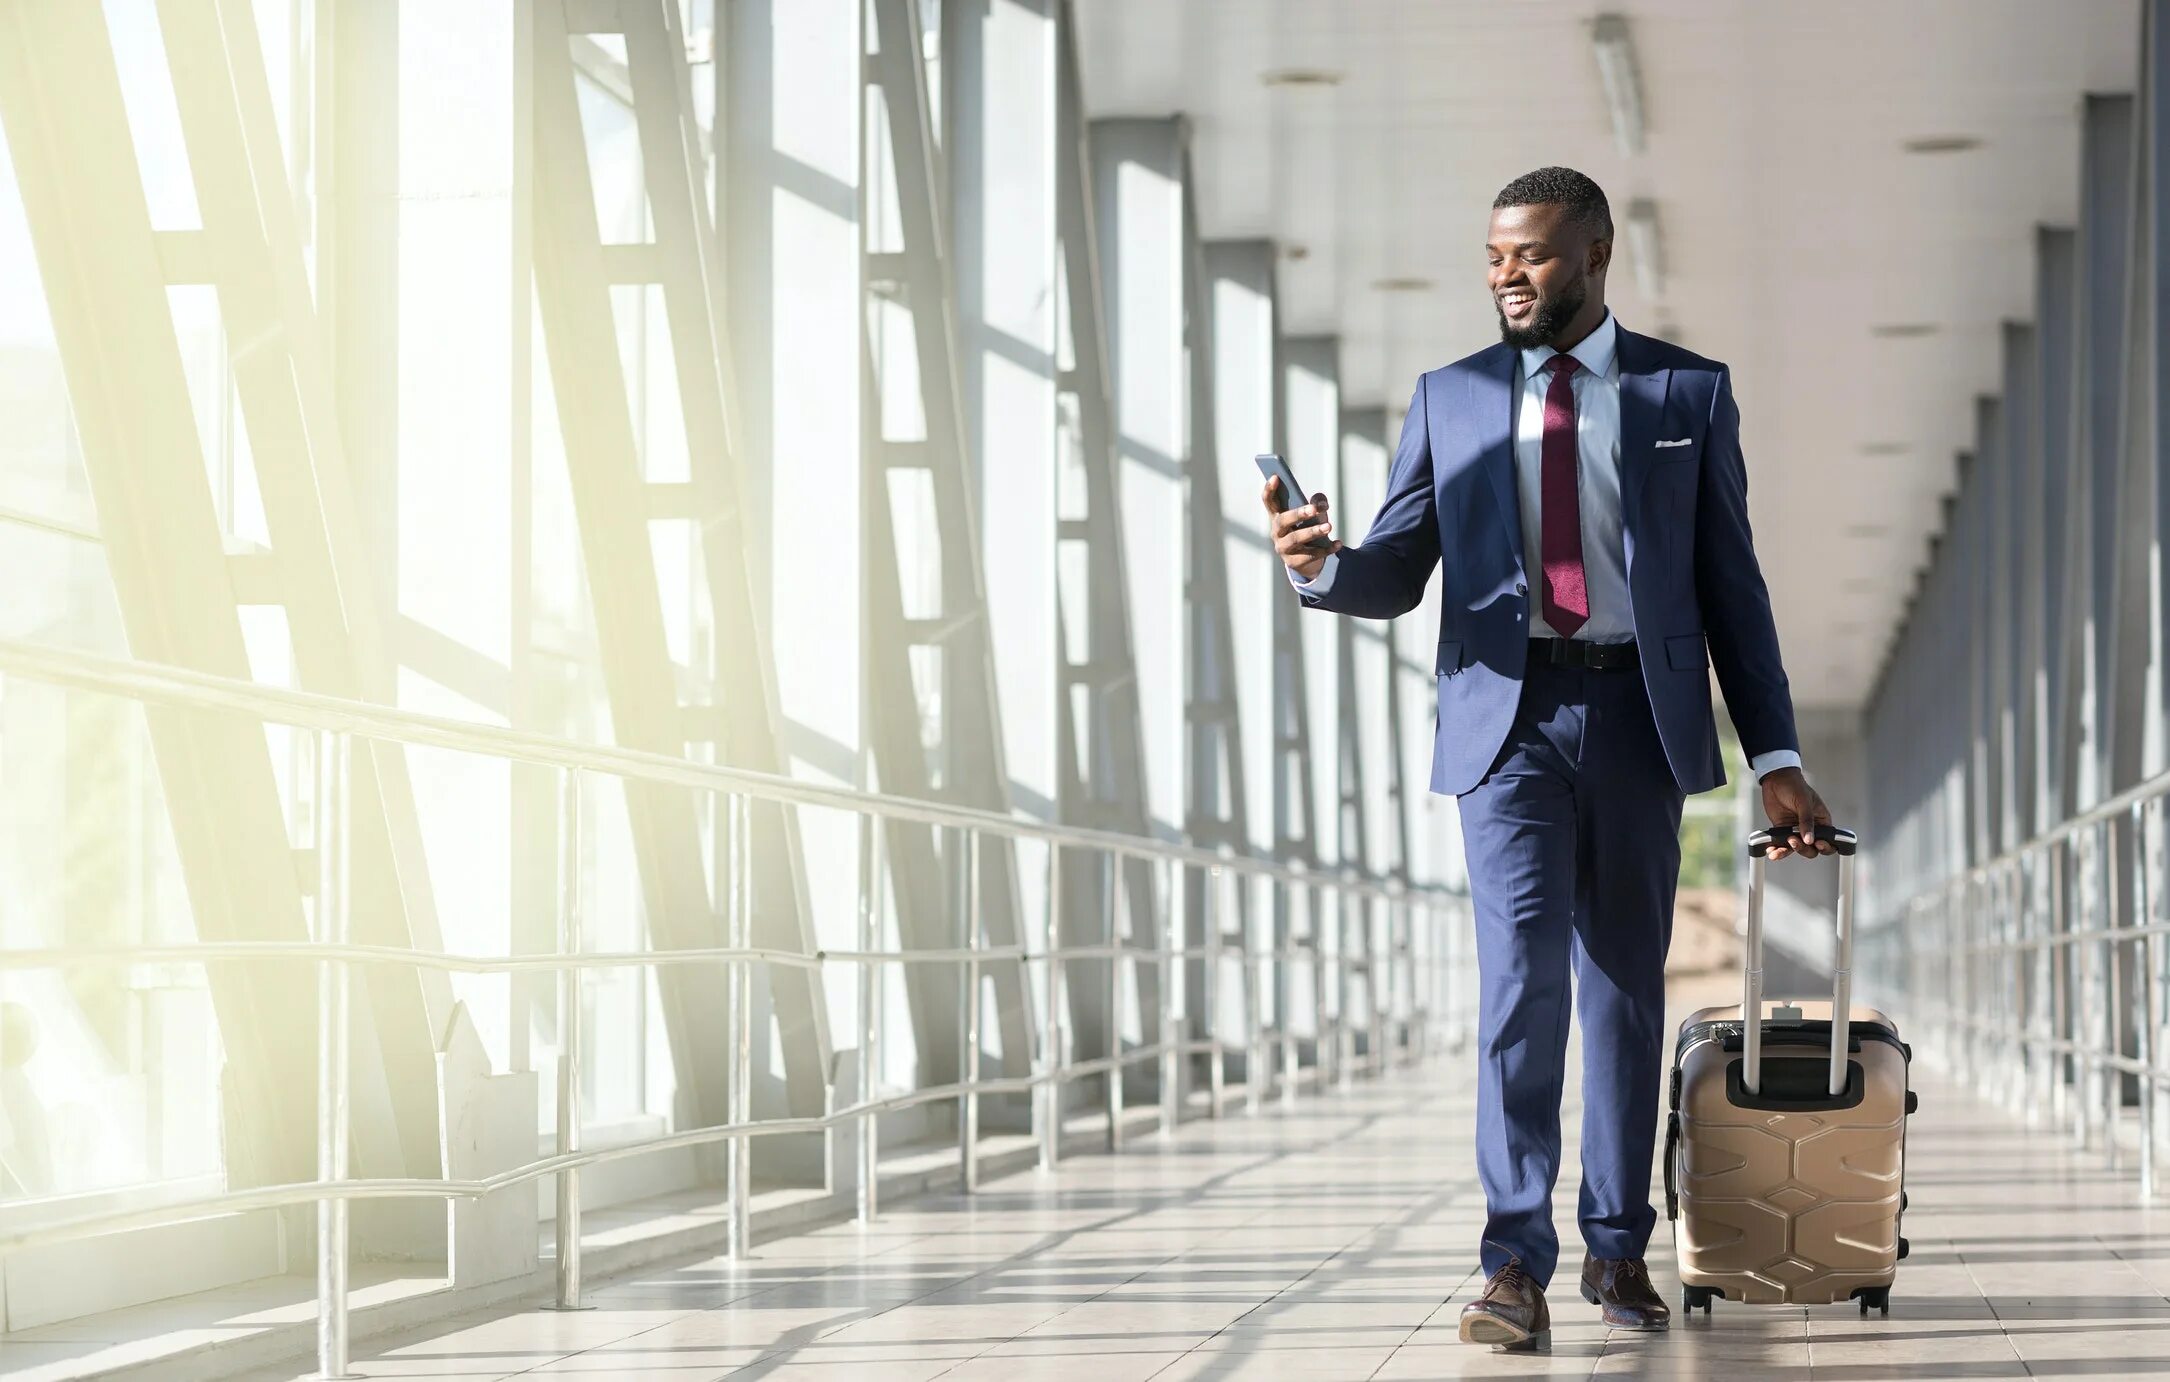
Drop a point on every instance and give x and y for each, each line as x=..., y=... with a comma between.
x=1785, y=1144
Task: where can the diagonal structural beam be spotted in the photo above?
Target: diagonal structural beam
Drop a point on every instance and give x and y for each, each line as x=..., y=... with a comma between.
x=908, y=272
x=106, y=272
x=1100, y=727
x=745, y=720
x=610, y=499
x=326, y=576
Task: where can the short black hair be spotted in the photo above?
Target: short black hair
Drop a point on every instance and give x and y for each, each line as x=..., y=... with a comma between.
x=1584, y=199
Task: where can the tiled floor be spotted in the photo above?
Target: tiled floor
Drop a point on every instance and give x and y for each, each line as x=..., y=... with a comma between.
x=1337, y=1240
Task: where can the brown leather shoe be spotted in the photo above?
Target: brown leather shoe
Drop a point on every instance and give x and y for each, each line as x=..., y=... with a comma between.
x=1511, y=1314
x=1621, y=1288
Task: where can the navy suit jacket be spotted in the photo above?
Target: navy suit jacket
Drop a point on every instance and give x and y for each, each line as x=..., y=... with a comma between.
x=1696, y=593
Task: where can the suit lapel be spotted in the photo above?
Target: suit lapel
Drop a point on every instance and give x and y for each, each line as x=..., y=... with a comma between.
x=1642, y=405
x=1492, y=416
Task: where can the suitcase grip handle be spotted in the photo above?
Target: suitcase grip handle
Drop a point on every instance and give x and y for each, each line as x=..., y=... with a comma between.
x=1759, y=846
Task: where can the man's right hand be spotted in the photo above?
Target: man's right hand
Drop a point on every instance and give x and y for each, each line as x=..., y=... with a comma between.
x=1295, y=532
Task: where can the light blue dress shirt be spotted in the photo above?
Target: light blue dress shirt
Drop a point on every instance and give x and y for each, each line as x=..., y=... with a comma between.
x=1604, y=549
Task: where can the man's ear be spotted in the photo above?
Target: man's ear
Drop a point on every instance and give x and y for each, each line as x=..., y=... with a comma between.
x=1600, y=255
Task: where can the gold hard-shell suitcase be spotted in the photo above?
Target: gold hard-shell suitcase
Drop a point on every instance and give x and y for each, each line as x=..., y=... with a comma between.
x=1785, y=1148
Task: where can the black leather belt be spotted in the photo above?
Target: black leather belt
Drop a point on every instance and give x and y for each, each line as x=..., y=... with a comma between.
x=1576, y=652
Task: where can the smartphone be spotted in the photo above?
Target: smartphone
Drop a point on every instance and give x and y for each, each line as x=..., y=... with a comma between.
x=1273, y=466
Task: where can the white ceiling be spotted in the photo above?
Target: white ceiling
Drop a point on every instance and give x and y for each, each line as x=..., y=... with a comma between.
x=1793, y=221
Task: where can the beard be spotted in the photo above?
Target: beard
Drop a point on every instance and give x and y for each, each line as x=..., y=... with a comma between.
x=1551, y=316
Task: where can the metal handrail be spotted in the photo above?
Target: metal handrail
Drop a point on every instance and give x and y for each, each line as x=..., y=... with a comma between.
x=2110, y=807
x=180, y=687
x=338, y=722
x=297, y=1193
x=2022, y=979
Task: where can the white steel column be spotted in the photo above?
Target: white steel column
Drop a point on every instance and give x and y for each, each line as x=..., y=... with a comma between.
x=1381, y=717
x=1000, y=78
x=1311, y=408
x=1246, y=416
x=1139, y=198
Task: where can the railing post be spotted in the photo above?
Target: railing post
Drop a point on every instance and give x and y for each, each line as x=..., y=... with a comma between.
x=968, y=1107
x=1172, y=971
x=566, y=1229
x=870, y=1014
x=1388, y=1016
x=1413, y=1019
x=1285, y=986
x=2005, y=971
x=2037, y=969
x=1254, y=1003
x=1379, y=953
x=1115, y=1005
x=2143, y=897
x=2113, y=1079
x=2063, y=1071
x=333, y=1074
x=1216, y=1058
x=1347, y=956
x=1326, y=1043
x=1424, y=971
x=739, y=1176
x=1049, y=1105
x=2079, y=977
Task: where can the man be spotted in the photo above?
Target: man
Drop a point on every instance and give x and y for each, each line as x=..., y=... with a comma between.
x=1583, y=489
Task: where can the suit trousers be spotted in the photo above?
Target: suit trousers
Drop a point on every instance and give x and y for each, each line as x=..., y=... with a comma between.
x=1573, y=842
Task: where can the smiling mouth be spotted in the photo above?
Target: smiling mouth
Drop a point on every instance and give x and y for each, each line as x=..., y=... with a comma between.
x=1517, y=304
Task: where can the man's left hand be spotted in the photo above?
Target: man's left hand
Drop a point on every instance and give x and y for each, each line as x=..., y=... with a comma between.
x=1793, y=806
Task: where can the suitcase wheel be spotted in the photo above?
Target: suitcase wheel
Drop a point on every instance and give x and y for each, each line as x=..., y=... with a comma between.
x=1693, y=1296
x=1878, y=1296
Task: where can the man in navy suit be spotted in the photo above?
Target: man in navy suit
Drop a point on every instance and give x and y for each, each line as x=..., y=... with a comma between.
x=1583, y=490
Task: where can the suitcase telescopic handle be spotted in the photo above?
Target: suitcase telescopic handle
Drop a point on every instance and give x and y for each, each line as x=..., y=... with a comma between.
x=1842, y=977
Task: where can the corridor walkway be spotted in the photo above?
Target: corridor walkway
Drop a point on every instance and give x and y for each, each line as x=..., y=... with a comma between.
x=1336, y=1240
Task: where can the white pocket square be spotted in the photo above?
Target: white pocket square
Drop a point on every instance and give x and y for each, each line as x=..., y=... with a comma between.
x=1681, y=442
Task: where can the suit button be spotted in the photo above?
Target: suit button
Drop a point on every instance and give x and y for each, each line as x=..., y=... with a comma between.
x=1521, y=588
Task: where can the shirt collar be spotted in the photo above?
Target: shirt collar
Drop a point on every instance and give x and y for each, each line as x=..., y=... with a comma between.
x=1596, y=352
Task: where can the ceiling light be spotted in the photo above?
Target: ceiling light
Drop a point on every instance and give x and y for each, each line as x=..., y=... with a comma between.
x=1899, y=331
x=1616, y=71
x=1401, y=285
x=1942, y=144
x=1301, y=76
x=1647, y=250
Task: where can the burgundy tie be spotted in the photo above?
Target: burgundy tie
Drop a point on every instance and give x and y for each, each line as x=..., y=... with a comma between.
x=1563, y=597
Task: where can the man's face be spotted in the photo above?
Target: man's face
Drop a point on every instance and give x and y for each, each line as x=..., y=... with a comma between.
x=1542, y=263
